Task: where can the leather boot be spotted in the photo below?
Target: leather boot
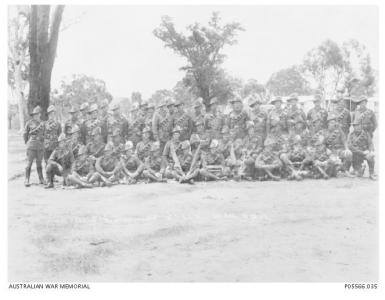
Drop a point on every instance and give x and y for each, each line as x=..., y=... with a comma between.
x=40, y=173
x=27, y=175
x=50, y=181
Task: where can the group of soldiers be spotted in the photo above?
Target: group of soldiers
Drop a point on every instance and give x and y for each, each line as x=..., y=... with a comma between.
x=98, y=146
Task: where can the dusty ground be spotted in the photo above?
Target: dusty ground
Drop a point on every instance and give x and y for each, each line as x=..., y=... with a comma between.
x=251, y=231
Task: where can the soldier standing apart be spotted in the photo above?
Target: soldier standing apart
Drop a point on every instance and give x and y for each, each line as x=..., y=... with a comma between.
x=60, y=162
x=162, y=125
x=52, y=130
x=183, y=120
x=34, y=139
x=360, y=143
x=72, y=121
x=213, y=120
x=365, y=116
x=238, y=119
x=317, y=113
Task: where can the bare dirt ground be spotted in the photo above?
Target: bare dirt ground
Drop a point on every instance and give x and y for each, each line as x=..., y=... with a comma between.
x=227, y=231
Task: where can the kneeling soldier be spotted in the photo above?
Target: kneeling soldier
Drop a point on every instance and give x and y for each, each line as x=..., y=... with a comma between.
x=360, y=143
x=60, y=162
x=132, y=167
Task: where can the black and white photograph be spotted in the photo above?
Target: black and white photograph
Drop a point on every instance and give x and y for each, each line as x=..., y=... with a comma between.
x=193, y=143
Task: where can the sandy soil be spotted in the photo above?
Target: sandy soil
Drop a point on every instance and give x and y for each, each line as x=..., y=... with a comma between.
x=249, y=231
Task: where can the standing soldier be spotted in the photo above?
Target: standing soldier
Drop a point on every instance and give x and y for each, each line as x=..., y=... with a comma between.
x=360, y=143
x=214, y=120
x=365, y=116
x=60, y=162
x=143, y=147
x=72, y=121
x=34, y=139
x=136, y=125
x=198, y=114
x=342, y=114
x=118, y=121
x=170, y=103
x=317, y=113
x=104, y=119
x=162, y=125
x=259, y=119
x=52, y=130
x=276, y=125
x=183, y=120
x=149, y=115
x=293, y=112
x=90, y=124
x=238, y=118
x=83, y=112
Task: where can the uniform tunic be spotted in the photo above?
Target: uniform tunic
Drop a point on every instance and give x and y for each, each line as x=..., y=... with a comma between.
x=184, y=121
x=237, y=123
x=367, y=118
x=214, y=123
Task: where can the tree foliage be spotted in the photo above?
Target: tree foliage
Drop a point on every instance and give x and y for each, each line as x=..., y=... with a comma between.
x=79, y=89
x=330, y=66
x=287, y=81
x=202, y=48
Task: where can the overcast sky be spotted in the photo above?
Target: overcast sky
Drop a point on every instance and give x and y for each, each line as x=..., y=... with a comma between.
x=116, y=43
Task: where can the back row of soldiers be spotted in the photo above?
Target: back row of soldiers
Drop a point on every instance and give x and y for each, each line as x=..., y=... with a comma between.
x=101, y=147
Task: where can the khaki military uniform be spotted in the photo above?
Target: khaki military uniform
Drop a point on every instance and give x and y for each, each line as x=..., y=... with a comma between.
x=214, y=124
x=161, y=129
x=237, y=124
x=361, y=145
x=317, y=114
x=184, y=121
x=367, y=118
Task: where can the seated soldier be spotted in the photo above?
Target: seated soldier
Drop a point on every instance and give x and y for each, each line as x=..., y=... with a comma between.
x=225, y=143
x=76, y=141
x=116, y=141
x=109, y=165
x=360, y=143
x=296, y=160
x=299, y=129
x=253, y=145
x=60, y=162
x=336, y=141
x=153, y=164
x=213, y=164
x=203, y=134
x=143, y=147
x=170, y=155
x=323, y=163
x=268, y=163
x=83, y=173
x=95, y=147
x=235, y=160
x=132, y=167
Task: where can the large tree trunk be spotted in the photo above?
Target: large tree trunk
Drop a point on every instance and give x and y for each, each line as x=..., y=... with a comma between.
x=20, y=96
x=43, y=39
